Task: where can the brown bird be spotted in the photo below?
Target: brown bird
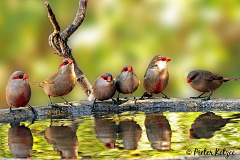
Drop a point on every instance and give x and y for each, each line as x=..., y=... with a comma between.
x=156, y=76
x=18, y=91
x=104, y=87
x=61, y=83
x=20, y=140
x=127, y=82
x=205, y=81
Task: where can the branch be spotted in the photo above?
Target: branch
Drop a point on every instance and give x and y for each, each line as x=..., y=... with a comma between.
x=59, y=41
x=77, y=21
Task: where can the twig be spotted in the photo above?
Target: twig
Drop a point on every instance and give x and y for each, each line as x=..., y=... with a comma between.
x=59, y=41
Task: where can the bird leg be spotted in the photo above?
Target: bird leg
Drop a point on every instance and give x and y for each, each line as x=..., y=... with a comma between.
x=118, y=101
x=199, y=96
x=114, y=101
x=94, y=105
x=135, y=99
x=165, y=96
x=53, y=105
x=33, y=110
x=11, y=111
x=66, y=102
x=145, y=95
x=208, y=98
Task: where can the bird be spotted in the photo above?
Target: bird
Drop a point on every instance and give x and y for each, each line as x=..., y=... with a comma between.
x=127, y=82
x=156, y=76
x=18, y=91
x=61, y=83
x=206, y=81
x=104, y=87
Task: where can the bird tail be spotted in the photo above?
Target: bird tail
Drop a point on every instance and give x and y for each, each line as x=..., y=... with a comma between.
x=36, y=83
x=230, y=79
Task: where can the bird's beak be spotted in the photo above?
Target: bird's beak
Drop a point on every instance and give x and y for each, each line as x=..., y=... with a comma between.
x=189, y=80
x=129, y=69
x=168, y=59
x=25, y=76
x=70, y=61
x=109, y=79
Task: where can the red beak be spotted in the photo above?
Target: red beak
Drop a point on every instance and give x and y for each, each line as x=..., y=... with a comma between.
x=189, y=80
x=25, y=76
x=129, y=69
x=70, y=61
x=168, y=59
x=109, y=79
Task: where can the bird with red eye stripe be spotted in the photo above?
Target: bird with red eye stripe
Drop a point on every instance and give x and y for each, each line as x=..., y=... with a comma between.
x=156, y=76
x=18, y=91
x=127, y=82
x=205, y=81
x=61, y=83
x=104, y=88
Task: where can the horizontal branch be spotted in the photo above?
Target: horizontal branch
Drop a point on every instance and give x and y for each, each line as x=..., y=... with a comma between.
x=83, y=108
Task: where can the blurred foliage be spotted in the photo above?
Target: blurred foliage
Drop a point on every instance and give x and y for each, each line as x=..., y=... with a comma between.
x=199, y=34
x=89, y=146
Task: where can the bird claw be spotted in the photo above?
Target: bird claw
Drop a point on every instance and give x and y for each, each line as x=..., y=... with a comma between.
x=166, y=97
x=54, y=105
x=198, y=97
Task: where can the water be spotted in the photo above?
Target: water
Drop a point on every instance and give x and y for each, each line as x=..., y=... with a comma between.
x=125, y=135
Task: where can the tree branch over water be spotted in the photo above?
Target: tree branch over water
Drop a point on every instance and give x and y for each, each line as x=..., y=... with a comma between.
x=59, y=40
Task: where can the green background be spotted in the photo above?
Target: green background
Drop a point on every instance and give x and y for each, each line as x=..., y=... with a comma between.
x=198, y=34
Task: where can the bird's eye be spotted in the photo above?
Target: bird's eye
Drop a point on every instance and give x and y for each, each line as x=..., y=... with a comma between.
x=104, y=77
x=124, y=69
x=193, y=77
x=66, y=62
x=20, y=76
x=163, y=59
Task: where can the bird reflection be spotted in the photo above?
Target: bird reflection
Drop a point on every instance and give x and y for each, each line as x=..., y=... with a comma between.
x=64, y=140
x=20, y=140
x=106, y=131
x=130, y=132
x=206, y=124
x=158, y=131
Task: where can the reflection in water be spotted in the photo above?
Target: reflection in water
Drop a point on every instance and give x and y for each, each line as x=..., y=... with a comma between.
x=64, y=140
x=106, y=131
x=20, y=141
x=206, y=124
x=130, y=132
x=158, y=131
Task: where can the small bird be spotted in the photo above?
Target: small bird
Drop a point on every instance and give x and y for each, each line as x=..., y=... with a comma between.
x=61, y=83
x=156, y=76
x=127, y=82
x=104, y=87
x=18, y=91
x=205, y=81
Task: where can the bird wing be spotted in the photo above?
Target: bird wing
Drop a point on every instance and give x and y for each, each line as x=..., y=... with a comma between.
x=212, y=76
x=50, y=80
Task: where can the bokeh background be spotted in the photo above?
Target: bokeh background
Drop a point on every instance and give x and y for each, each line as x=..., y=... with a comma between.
x=198, y=34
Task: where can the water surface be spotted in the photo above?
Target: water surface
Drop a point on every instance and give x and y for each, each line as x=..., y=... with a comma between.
x=125, y=135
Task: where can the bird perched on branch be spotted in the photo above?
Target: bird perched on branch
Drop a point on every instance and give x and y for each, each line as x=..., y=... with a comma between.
x=156, y=76
x=205, y=81
x=127, y=82
x=61, y=83
x=18, y=91
x=104, y=87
